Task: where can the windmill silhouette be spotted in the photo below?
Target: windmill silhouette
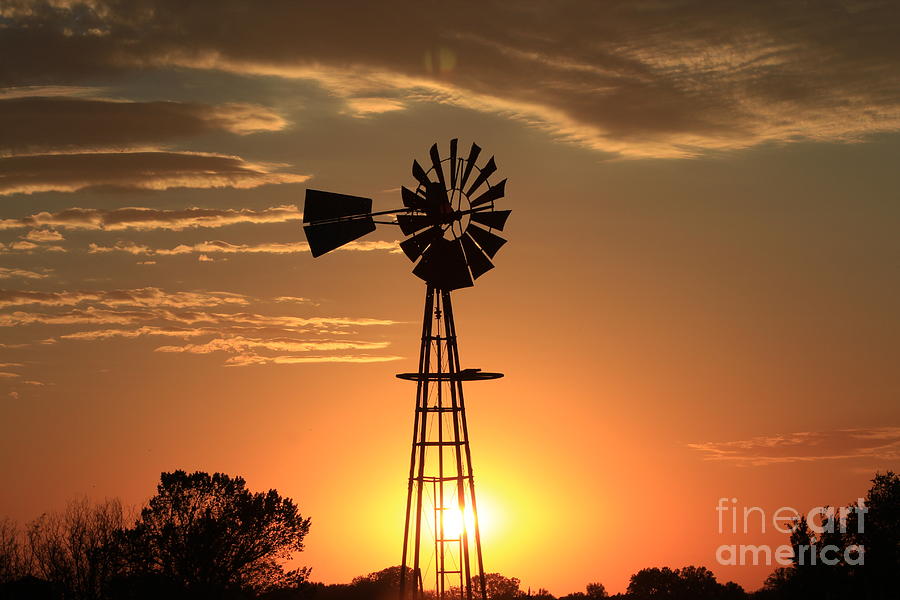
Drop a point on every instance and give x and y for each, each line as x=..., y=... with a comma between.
x=450, y=219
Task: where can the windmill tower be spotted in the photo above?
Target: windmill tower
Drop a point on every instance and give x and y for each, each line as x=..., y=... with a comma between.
x=450, y=220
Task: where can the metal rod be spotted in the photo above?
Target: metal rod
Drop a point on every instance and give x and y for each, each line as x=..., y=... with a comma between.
x=456, y=214
x=359, y=216
x=453, y=366
x=439, y=570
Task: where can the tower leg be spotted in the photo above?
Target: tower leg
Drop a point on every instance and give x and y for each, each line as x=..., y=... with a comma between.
x=419, y=429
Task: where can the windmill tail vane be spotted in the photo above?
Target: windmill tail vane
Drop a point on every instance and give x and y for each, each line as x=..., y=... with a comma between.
x=449, y=217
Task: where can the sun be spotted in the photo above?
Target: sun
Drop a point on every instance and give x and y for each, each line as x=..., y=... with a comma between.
x=455, y=521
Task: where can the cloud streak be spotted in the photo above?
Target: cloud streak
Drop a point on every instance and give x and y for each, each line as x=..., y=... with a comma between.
x=146, y=219
x=43, y=235
x=245, y=338
x=151, y=170
x=221, y=247
x=28, y=247
x=243, y=360
x=245, y=351
x=93, y=315
x=33, y=124
x=13, y=273
x=149, y=296
x=877, y=443
x=239, y=344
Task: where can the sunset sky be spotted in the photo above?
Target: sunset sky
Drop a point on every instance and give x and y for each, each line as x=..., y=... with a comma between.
x=698, y=298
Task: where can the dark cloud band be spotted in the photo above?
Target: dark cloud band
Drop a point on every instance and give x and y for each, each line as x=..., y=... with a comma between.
x=636, y=78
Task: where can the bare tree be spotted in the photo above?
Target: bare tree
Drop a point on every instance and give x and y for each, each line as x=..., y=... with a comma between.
x=73, y=549
x=14, y=562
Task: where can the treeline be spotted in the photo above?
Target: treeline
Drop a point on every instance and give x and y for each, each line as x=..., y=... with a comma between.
x=206, y=536
x=200, y=536
x=689, y=583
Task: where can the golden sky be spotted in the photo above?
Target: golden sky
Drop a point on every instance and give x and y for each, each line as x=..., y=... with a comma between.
x=698, y=299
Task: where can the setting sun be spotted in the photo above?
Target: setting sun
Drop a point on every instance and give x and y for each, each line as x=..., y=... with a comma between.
x=454, y=523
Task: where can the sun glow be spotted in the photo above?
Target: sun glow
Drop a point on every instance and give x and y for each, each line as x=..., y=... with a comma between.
x=455, y=523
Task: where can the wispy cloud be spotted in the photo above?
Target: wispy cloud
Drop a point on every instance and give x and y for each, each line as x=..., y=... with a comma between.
x=150, y=170
x=364, y=107
x=60, y=122
x=244, y=338
x=43, y=235
x=143, y=218
x=247, y=359
x=244, y=351
x=49, y=91
x=221, y=247
x=28, y=247
x=106, y=334
x=238, y=344
x=12, y=273
x=93, y=315
x=877, y=443
x=149, y=296
x=293, y=299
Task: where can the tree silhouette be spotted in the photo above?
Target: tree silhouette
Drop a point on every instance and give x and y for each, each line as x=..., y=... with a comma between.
x=593, y=591
x=875, y=529
x=497, y=586
x=688, y=583
x=880, y=536
x=211, y=537
x=384, y=584
x=596, y=591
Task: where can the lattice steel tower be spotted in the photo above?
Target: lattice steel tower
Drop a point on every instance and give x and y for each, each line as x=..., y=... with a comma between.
x=450, y=218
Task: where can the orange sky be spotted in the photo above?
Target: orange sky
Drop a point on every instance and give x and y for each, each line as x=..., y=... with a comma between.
x=698, y=299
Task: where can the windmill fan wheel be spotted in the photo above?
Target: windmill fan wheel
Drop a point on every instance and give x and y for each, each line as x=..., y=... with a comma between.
x=452, y=218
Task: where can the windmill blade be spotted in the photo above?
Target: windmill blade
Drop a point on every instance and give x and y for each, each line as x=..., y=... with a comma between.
x=478, y=262
x=494, y=192
x=321, y=206
x=488, y=241
x=436, y=163
x=412, y=199
x=419, y=173
x=325, y=237
x=470, y=162
x=412, y=223
x=493, y=219
x=443, y=265
x=453, y=165
x=486, y=172
x=414, y=247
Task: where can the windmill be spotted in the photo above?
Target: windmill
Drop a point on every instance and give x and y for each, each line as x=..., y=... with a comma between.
x=450, y=219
